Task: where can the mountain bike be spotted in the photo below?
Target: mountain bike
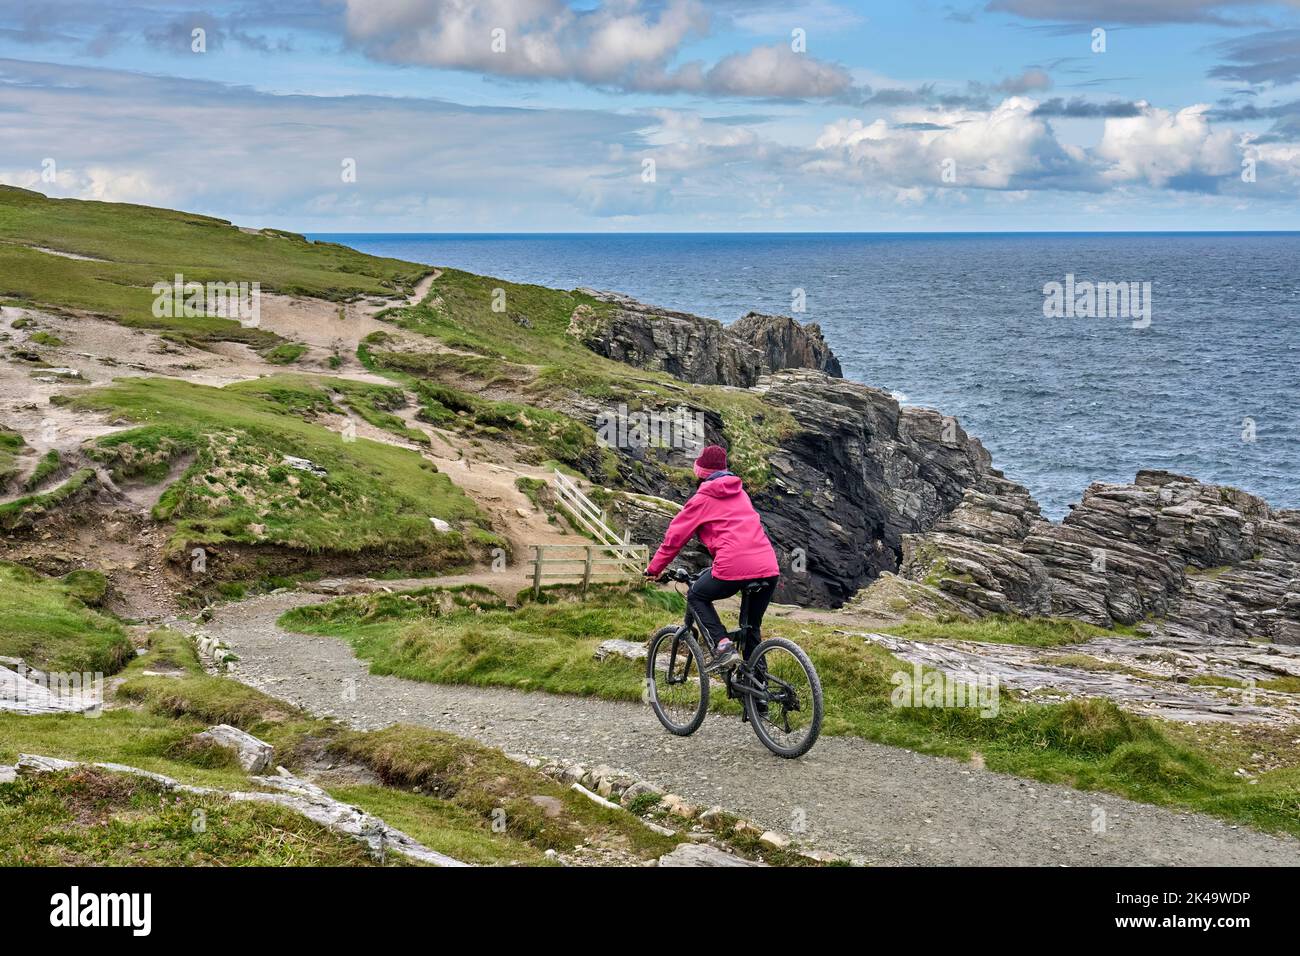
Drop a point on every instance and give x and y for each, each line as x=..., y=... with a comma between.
x=776, y=683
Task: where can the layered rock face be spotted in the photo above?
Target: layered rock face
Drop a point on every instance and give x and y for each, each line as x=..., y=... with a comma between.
x=858, y=474
x=1205, y=560
x=699, y=350
x=784, y=343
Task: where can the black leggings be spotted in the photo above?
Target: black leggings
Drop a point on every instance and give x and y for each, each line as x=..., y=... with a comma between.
x=708, y=589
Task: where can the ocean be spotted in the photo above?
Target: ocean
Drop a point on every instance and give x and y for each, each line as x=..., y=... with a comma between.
x=1207, y=383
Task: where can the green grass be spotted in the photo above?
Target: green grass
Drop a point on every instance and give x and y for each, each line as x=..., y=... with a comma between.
x=552, y=434
x=11, y=446
x=375, y=498
x=480, y=781
x=1007, y=629
x=376, y=404
x=45, y=338
x=29, y=508
x=48, y=465
x=47, y=623
x=1090, y=744
x=534, y=490
x=537, y=647
x=90, y=817
x=460, y=313
x=140, y=246
x=285, y=354
x=446, y=827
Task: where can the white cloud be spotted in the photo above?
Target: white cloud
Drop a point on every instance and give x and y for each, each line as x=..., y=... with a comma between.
x=776, y=71
x=262, y=158
x=1163, y=148
x=623, y=44
x=611, y=44
x=1005, y=148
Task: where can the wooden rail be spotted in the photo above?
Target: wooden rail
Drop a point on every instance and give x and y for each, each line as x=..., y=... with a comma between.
x=587, y=563
x=583, y=510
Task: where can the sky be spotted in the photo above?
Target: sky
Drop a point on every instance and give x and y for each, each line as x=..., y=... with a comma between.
x=662, y=115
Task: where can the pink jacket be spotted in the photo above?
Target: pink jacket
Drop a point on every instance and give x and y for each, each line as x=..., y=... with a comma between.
x=728, y=526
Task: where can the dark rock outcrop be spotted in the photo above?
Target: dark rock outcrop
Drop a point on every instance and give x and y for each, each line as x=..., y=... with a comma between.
x=1200, y=559
x=784, y=343
x=695, y=349
x=858, y=473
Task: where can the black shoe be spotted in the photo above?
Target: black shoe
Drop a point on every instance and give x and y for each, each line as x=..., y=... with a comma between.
x=724, y=657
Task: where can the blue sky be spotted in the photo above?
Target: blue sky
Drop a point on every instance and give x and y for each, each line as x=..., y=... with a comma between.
x=676, y=115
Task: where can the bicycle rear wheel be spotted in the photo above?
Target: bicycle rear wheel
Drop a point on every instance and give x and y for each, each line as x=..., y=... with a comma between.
x=676, y=686
x=792, y=719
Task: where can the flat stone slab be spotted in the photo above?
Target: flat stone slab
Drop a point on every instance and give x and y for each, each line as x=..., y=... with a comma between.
x=20, y=695
x=701, y=854
x=1149, y=676
x=632, y=650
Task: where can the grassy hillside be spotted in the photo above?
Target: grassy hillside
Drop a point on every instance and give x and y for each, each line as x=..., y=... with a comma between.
x=239, y=488
x=48, y=623
x=515, y=336
x=129, y=248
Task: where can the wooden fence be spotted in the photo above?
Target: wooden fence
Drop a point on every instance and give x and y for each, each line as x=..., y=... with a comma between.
x=587, y=563
x=583, y=511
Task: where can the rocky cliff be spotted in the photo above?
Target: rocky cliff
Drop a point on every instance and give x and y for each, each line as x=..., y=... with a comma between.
x=699, y=350
x=1207, y=561
x=858, y=473
x=784, y=343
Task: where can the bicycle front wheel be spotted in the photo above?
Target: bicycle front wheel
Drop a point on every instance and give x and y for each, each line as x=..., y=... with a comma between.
x=676, y=686
x=787, y=716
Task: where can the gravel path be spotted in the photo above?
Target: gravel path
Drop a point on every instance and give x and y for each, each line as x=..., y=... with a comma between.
x=872, y=803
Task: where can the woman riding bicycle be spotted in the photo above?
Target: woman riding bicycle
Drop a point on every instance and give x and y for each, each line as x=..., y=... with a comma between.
x=731, y=530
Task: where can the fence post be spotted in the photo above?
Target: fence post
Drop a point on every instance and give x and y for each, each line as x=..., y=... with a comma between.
x=586, y=572
x=537, y=570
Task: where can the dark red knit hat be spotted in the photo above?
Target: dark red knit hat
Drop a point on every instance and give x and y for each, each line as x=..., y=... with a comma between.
x=713, y=458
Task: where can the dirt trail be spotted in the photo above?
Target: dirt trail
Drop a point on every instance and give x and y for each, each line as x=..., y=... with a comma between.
x=873, y=803
x=95, y=351
x=333, y=328
x=487, y=474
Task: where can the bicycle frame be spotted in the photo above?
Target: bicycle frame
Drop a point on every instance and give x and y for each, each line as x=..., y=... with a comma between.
x=749, y=687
